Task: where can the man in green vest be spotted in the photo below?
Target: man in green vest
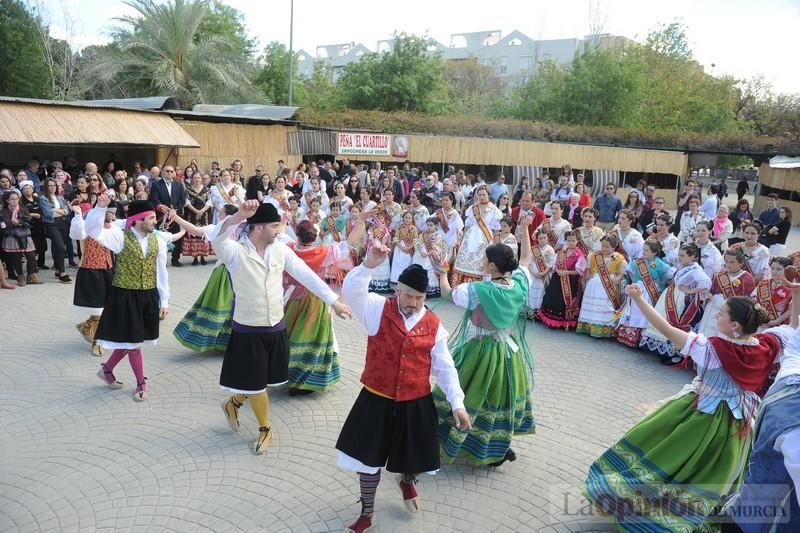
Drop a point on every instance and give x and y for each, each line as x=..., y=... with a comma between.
x=140, y=292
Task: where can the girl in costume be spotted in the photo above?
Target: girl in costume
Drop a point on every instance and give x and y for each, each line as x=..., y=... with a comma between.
x=206, y=325
x=494, y=362
x=450, y=226
x=601, y=297
x=630, y=240
x=419, y=211
x=333, y=225
x=380, y=232
x=681, y=304
x=773, y=296
x=669, y=242
x=710, y=256
x=543, y=260
x=732, y=281
x=279, y=197
x=198, y=204
x=562, y=297
x=555, y=227
x=652, y=275
x=405, y=242
x=313, y=351
x=431, y=252
x=757, y=254
x=480, y=229
x=675, y=467
x=225, y=192
x=345, y=202
x=589, y=235
x=506, y=236
x=357, y=251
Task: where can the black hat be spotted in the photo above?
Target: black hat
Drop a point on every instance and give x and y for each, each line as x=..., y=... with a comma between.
x=265, y=214
x=414, y=279
x=139, y=206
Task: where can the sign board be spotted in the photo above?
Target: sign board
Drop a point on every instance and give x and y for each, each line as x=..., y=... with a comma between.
x=364, y=144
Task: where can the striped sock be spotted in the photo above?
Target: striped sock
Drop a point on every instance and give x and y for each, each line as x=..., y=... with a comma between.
x=369, y=486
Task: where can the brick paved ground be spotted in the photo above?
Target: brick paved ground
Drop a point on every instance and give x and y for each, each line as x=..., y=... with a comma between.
x=75, y=455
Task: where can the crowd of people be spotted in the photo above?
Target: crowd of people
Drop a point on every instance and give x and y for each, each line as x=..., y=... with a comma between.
x=711, y=288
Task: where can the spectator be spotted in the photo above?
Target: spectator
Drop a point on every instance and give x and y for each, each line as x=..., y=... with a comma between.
x=586, y=200
x=17, y=241
x=739, y=219
x=32, y=174
x=108, y=174
x=723, y=189
x=498, y=188
x=524, y=185
x=449, y=186
x=527, y=207
x=774, y=237
x=690, y=219
x=635, y=204
x=574, y=212
x=566, y=171
x=257, y=186
x=55, y=216
x=30, y=201
x=503, y=205
x=353, y=190
x=608, y=206
x=742, y=188
x=723, y=228
x=689, y=191
x=563, y=191
x=166, y=194
x=771, y=215
x=641, y=187
x=711, y=203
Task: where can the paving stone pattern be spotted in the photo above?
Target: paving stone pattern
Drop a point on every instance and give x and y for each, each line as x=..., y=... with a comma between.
x=77, y=456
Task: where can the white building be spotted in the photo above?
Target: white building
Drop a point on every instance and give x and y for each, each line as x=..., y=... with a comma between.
x=514, y=57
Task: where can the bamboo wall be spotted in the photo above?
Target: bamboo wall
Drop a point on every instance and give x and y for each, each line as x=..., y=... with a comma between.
x=254, y=144
x=787, y=179
x=476, y=151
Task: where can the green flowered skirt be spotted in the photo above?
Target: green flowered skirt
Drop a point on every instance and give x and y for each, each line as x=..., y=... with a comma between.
x=313, y=358
x=207, y=325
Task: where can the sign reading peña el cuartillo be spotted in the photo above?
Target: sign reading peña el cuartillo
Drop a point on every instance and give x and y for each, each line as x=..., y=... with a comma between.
x=350, y=143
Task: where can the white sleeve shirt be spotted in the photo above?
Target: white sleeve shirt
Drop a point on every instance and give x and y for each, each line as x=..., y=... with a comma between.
x=368, y=308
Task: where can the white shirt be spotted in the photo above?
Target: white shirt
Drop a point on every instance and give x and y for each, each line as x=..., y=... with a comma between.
x=113, y=238
x=368, y=308
x=231, y=253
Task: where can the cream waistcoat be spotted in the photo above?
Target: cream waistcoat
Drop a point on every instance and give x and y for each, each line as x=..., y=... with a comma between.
x=259, y=288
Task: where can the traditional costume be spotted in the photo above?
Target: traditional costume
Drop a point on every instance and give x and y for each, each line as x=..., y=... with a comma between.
x=511, y=241
x=257, y=354
x=405, y=242
x=140, y=290
x=670, y=245
x=93, y=283
x=757, y=260
x=723, y=286
x=631, y=244
x=450, y=228
x=652, y=276
x=768, y=499
x=313, y=350
x=495, y=365
x=393, y=422
x=222, y=195
x=680, y=309
x=711, y=259
x=589, y=239
x=193, y=246
x=673, y=469
x=207, y=324
x=333, y=229
x=421, y=216
x=601, y=296
x=380, y=232
x=543, y=261
x=561, y=303
x=429, y=253
x=482, y=221
x=773, y=297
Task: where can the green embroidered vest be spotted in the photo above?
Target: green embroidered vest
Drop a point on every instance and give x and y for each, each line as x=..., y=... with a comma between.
x=133, y=270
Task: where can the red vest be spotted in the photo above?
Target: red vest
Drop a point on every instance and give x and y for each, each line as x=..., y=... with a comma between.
x=399, y=361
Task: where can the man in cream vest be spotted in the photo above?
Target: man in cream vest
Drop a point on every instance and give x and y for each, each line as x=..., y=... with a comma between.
x=258, y=350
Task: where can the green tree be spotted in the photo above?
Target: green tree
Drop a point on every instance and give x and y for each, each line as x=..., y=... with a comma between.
x=159, y=45
x=407, y=78
x=319, y=92
x=272, y=77
x=23, y=71
x=475, y=89
x=228, y=21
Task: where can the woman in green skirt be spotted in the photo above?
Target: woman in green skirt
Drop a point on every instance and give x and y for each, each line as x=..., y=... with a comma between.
x=494, y=363
x=313, y=353
x=674, y=469
x=207, y=325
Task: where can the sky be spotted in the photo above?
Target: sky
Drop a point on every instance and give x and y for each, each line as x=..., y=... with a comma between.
x=737, y=37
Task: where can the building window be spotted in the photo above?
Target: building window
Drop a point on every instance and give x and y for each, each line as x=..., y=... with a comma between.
x=516, y=41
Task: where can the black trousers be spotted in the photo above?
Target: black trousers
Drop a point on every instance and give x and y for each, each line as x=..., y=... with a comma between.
x=30, y=259
x=58, y=233
x=40, y=241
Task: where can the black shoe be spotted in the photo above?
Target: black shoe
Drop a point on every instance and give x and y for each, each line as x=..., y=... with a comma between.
x=203, y=261
x=73, y=265
x=510, y=456
x=176, y=263
x=195, y=262
x=43, y=267
x=672, y=361
x=299, y=392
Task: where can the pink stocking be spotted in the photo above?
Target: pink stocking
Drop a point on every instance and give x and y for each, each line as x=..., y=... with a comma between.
x=135, y=359
x=116, y=357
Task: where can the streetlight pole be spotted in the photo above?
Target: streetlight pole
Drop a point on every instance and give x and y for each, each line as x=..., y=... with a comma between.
x=291, y=35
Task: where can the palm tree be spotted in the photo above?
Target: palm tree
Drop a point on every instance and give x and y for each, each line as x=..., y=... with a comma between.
x=161, y=46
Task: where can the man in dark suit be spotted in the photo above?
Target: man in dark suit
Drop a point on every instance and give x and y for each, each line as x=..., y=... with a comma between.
x=165, y=194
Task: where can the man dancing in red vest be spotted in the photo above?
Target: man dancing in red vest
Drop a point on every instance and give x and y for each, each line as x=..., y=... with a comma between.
x=393, y=422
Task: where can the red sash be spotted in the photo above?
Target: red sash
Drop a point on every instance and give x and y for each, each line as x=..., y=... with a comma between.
x=605, y=277
x=647, y=279
x=764, y=297
x=476, y=211
x=689, y=313
x=225, y=196
x=582, y=247
x=724, y=284
x=539, y=258
x=407, y=234
x=337, y=237
x=443, y=220
x=561, y=264
x=551, y=234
